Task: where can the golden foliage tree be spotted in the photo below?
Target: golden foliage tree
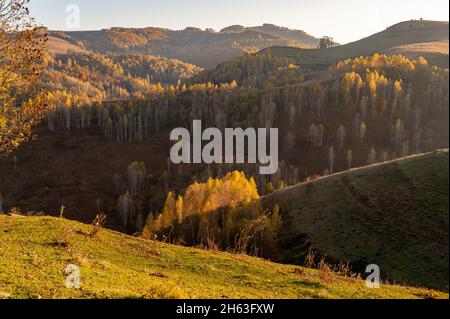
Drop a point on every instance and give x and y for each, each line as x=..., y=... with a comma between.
x=220, y=214
x=232, y=190
x=202, y=198
x=21, y=53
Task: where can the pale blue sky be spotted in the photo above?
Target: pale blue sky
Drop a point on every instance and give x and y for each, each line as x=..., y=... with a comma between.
x=345, y=20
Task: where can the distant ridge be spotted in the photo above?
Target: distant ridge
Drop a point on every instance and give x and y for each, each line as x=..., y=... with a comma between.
x=396, y=36
x=205, y=48
x=276, y=31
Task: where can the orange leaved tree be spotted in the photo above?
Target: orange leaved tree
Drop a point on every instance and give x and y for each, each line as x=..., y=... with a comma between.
x=22, y=48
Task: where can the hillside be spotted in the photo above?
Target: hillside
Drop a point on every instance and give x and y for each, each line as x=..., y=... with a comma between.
x=36, y=251
x=277, y=31
x=425, y=33
x=435, y=52
x=205, y=48
x=83, y=77
x=61, y=46
x=394, y=215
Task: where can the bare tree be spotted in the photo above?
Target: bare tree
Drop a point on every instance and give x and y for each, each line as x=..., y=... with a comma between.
x=331, y=156
x=349, y=158
x=340, y=137
x=372, y=156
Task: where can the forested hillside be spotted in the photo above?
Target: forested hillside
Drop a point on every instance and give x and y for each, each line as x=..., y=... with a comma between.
x=363, y=111
x=205, y=48
x=256, y=71
x=85, y=78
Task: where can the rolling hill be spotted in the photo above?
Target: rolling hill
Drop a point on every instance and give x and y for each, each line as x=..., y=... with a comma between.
x=277, y=31
x=394, y=215
x=435, y=52
x=205, y=48
x=424, y=34
x=36, y=251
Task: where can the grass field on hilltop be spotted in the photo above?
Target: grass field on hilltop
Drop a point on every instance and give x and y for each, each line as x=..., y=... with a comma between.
x=399, y=36
x=35, y=252
x=394, y=215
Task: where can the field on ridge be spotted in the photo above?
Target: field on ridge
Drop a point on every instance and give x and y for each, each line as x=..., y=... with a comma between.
x=431, y=35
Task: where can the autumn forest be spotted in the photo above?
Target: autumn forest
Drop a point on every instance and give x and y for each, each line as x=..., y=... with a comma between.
x=87, y=139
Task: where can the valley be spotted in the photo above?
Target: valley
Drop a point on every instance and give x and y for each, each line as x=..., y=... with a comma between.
x=355, y=170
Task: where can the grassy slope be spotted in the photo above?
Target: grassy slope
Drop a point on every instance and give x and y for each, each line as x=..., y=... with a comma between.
x=60, y=46
x=397, y=35
x=34, y=252
x=435, y=52
x=394, y=215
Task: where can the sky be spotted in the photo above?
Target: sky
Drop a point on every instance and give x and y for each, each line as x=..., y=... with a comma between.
x=344, y=20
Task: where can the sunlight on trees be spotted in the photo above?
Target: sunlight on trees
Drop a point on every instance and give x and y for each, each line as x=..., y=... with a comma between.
x=220, y=213
x=21, y=52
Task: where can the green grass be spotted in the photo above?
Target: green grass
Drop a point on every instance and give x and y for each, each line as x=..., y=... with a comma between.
x=394, y=215
x=35, y=251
